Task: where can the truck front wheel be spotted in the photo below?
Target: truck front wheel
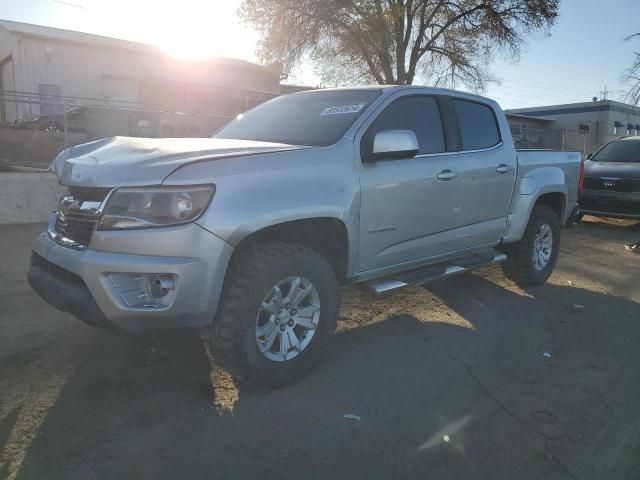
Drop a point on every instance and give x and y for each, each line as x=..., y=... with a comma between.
x=278, y=311
x=531, y=260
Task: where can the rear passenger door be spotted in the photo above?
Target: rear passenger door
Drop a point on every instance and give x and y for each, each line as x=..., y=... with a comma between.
x=487, y=171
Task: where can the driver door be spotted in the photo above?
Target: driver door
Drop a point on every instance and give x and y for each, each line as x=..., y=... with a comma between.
x=409, y=207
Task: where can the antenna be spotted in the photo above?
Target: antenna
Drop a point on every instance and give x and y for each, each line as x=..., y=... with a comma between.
x=605, y=93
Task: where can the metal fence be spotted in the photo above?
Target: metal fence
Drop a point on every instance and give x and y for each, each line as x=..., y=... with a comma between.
x=526, y=137
x=558, y=139
x=35, y=127
x=99, y=118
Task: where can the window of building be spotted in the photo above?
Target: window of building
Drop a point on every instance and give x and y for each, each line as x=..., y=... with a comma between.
x=420, y=114
x=584, y=127
x=616, y=126
x=630, y=128
x=478, y=126
x=50, y=102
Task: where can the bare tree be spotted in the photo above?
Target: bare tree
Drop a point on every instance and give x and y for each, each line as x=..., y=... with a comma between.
x=395, y=41
x=632, y=76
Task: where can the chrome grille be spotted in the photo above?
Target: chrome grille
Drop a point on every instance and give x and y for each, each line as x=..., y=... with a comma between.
x=77, y=216
x=76, y=226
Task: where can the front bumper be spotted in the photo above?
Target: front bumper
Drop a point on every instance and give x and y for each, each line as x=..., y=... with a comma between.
x=79, y=281
x=610, y=204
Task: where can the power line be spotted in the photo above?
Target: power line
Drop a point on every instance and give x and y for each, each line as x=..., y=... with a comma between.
x=516, y=101
x=69, y=4
x=555, y=89
x=546, y=84
x=548, y=92
x=538, y=95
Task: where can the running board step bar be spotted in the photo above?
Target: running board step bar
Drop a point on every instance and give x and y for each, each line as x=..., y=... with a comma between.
x=434, y=272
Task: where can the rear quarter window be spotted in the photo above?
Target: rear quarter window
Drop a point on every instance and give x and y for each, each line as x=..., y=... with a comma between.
x=478, y=125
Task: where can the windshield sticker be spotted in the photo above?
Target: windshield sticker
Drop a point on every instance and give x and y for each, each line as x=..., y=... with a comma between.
x=342, y=109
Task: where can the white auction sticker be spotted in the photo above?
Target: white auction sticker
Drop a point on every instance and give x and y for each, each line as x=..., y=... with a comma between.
x=342, y=109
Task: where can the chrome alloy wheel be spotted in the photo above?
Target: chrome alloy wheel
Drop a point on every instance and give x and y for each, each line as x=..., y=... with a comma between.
x=288, y=319
x=542, y=246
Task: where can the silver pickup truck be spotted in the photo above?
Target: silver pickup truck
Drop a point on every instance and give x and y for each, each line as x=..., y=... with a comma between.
x=251, y=233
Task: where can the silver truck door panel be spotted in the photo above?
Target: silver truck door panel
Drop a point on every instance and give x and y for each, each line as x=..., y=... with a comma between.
x=437, y=204
x=487, y=179
x=488, y=171
x=408, y=206
x=407, y=213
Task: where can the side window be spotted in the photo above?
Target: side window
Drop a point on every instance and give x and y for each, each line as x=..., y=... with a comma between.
x=478, y=126
x=418, y=113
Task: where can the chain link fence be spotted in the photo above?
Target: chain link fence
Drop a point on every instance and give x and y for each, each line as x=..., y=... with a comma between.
x=36, y=127
x=558, y=139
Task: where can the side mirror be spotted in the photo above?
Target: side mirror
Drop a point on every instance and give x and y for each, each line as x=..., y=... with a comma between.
x=589, y=156
x=394, y=145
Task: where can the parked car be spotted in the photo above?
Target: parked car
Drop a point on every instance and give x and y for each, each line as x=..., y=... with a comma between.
x=54, y=123
x=612, y=180
x=252, y=233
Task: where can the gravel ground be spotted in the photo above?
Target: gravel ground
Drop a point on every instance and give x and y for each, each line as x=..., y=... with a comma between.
x=447, y=382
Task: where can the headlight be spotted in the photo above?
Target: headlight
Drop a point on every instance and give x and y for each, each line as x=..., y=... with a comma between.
x=145, y=207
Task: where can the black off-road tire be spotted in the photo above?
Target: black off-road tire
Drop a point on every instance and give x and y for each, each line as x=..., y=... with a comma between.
x=253, y=273
x=519, y=266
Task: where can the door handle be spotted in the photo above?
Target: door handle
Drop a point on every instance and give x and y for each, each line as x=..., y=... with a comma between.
x=502, y=168
x=447, y=175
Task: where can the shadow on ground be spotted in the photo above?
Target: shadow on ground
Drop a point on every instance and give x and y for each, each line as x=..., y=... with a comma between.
x=461, y=390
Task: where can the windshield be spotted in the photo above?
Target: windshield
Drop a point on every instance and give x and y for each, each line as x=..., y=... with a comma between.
x=620, y=151
x=310, y=118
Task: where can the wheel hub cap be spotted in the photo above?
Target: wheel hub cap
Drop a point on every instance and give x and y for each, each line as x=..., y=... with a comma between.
x=542, y=246
x=287, y=319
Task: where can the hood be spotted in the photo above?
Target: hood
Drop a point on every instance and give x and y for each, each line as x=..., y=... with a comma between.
x=125, y=161
x=593, y=168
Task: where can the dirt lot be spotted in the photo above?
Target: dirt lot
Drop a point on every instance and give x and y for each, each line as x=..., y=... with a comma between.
x=449, y=382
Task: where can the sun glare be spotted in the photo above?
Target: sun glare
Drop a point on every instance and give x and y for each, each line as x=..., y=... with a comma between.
x=188, y=30
x=186, y=48
x=202, y=29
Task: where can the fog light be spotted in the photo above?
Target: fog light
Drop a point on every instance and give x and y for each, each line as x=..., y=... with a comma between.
x=143, y=290
x=160, y=285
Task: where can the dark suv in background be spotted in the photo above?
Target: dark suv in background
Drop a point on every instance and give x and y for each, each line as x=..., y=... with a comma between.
x=612, y=180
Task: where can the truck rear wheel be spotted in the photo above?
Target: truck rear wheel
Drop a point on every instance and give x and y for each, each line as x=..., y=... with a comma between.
x=277, y=314
x=532, y=260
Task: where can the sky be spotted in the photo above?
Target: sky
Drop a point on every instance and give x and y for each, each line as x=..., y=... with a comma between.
x=584, y=52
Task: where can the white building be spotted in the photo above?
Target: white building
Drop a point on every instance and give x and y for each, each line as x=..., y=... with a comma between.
x=48, y=63
x=577, y=126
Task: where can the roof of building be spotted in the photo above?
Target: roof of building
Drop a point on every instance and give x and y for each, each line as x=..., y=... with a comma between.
x=582, y=107
x=71, y=36
x=527, y=117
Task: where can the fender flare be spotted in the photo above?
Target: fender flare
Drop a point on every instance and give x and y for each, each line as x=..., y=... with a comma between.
x=530, y=188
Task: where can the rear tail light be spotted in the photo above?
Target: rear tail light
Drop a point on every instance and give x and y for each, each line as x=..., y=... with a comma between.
x=581, y=182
